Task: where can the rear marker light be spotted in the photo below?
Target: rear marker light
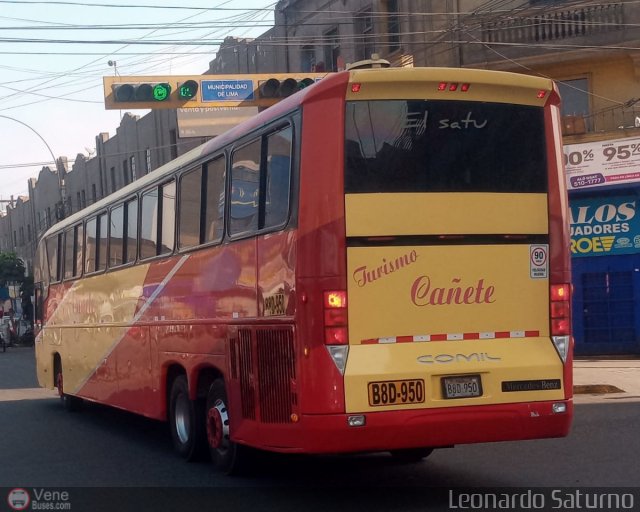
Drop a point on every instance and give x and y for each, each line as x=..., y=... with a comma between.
x=442, y=86
x=465, y=87
x=453, y=87
x=339, y=354
x=356, y=87
x=541, y=94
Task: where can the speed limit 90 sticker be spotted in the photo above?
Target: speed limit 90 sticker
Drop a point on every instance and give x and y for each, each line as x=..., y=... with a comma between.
x=539, y=261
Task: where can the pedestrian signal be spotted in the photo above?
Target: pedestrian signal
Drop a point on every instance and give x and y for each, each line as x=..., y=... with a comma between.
x=187, y=90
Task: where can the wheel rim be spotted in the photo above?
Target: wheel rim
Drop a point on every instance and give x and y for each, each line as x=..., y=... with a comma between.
x=218, y=426
x=183, y=419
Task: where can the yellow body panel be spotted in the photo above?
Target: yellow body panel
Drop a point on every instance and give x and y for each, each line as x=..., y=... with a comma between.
x=91, y=323
x=450, y=213
x=422, y=290
x=495, y=360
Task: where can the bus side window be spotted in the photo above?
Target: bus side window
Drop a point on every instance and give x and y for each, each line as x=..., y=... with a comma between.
x=101, y=263
x=131, y=230
x=168, y=217
x=90, y=247
x=190, y=209
x=116, y=236
x=245, y=188
x=149, y=224
x=215, y=199
x=68, y=253
x=54, y=256
x=278, y=178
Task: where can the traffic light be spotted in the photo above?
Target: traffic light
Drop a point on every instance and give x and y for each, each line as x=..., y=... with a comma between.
x=203, y=91
x=187, y=90
x=145, y=91
x=276, y=88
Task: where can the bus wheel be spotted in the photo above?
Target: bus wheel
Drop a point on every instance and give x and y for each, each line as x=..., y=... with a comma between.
x=229, y=457
x=70, y=403
x=186, y=422
x=410, y=455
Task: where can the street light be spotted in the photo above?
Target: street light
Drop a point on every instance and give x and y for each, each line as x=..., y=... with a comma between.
x=34, y=131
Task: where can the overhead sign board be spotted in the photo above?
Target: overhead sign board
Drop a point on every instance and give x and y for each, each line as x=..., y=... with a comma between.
x=191, y=91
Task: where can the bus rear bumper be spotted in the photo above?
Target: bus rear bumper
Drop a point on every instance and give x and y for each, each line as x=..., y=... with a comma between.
x=393, y=430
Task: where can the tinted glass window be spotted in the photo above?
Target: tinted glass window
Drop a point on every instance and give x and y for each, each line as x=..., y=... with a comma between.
x=101, y=264
x=90, y=246
x=69, y=253
x=53, y=250
x=168, y=208
x=245, y=188
x=278, y=177
x=131, y=230
x=78, y=250
x=149, y=224
x=444, y=146
x=190, y=205
x=214, y=207
x=116, y=236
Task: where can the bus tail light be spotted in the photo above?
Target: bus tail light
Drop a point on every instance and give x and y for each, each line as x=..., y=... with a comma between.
x=336, y=334
x=560, y=309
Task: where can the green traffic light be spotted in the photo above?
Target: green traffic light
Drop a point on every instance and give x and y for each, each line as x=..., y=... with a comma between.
x=187, y=90
x=161, y=92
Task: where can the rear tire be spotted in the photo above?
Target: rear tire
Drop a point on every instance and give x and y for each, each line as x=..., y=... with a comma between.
x=228, y=457
x=69, y=402
x=411, y=455
x=186, y=422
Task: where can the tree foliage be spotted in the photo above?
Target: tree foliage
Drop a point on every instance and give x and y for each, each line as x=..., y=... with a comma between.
x=12, y=269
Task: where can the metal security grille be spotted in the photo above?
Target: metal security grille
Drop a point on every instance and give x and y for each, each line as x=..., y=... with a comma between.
x=608, y=307
x=276, y=375
x=242, y=368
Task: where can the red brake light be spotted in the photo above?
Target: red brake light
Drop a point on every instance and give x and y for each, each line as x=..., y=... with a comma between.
x=442, y=86
x=356, y=87
x=465, y=87
x=453, y=87
x=560, y=309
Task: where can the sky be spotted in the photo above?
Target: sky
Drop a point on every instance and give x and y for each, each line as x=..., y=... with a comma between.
x=52, y=90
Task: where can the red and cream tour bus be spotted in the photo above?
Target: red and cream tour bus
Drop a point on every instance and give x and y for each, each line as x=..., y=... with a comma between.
x=379, y=262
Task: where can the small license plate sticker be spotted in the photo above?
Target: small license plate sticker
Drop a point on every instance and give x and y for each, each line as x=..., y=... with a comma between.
x=396, y=392
x=463, y=386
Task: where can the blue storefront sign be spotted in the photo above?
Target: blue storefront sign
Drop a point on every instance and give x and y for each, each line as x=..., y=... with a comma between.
x=605, y=226
x=227, y=90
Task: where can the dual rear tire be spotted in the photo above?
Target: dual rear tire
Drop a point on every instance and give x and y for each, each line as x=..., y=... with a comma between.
x=200, y=428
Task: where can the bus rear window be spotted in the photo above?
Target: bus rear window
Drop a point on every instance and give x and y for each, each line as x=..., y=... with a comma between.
x=444, y=146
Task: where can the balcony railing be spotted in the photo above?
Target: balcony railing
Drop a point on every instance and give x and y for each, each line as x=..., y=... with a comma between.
x=620, y=117
x=553, y=26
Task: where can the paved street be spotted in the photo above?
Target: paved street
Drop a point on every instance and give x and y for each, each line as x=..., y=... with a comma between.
x=44, y=445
